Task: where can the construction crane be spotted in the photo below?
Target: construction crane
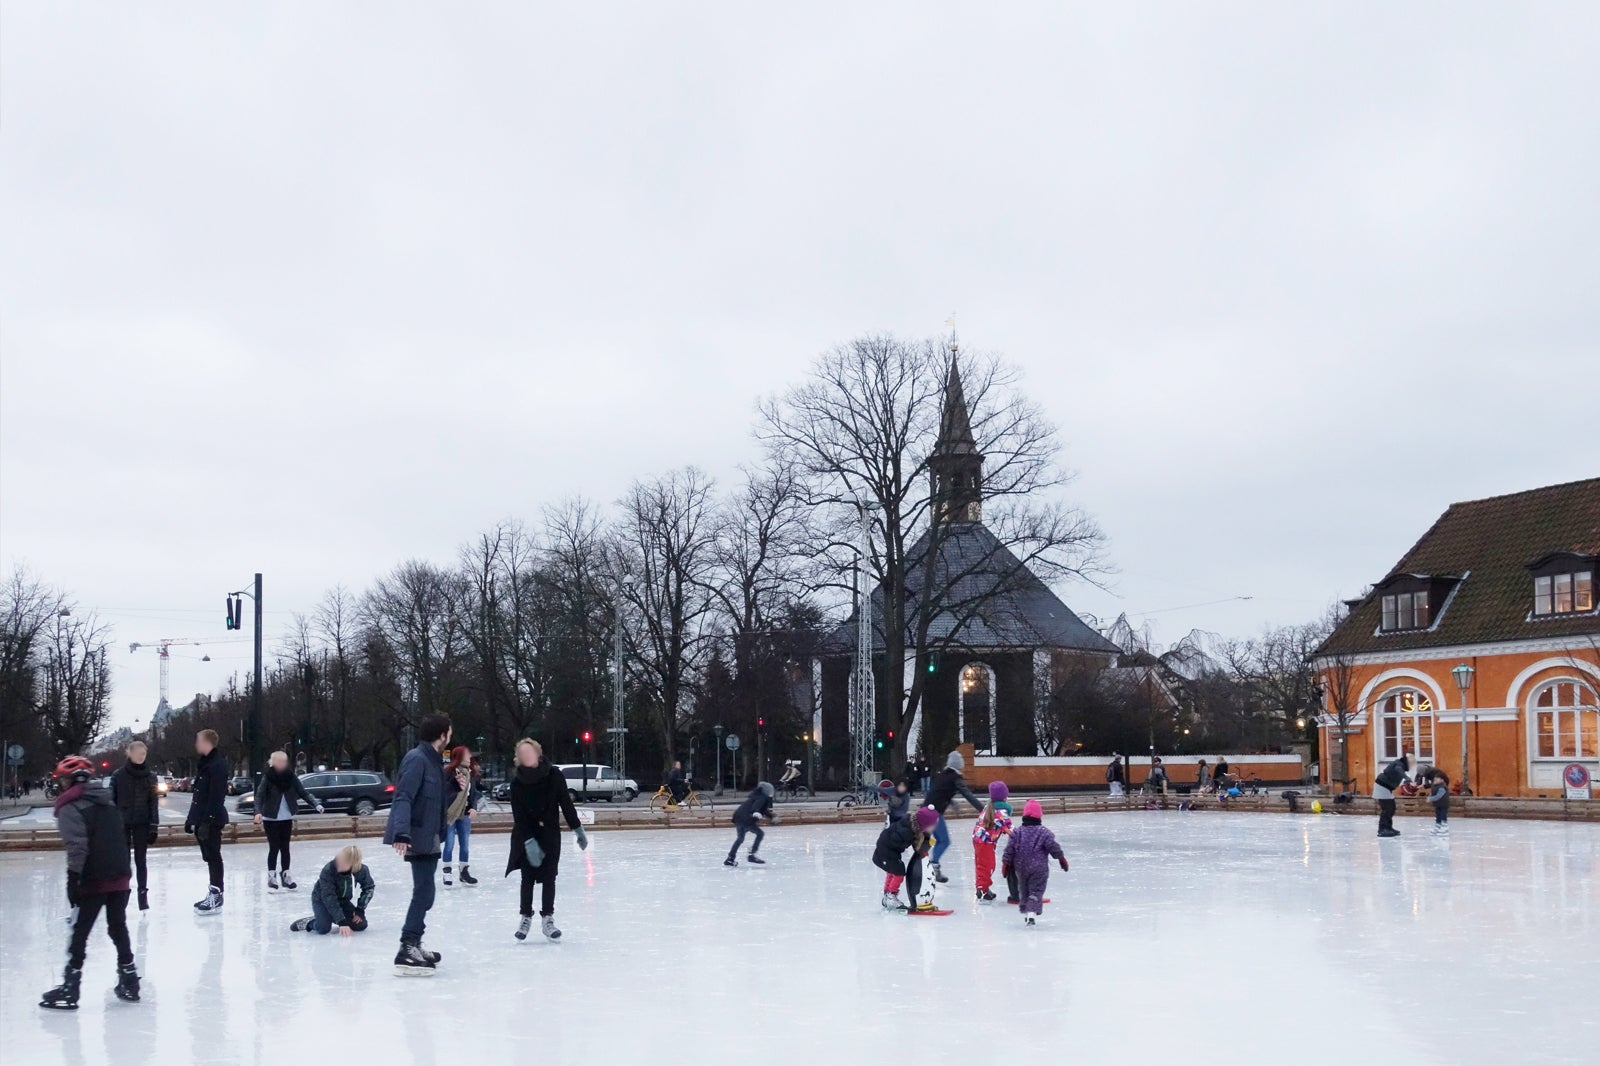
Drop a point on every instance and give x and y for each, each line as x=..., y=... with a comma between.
x=163, y=649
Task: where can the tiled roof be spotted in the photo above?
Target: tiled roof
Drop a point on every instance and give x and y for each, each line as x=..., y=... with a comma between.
x=1492, y=542
x=1013, y=608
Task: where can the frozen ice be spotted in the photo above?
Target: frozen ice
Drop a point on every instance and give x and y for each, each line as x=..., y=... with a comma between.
x=1238, y=938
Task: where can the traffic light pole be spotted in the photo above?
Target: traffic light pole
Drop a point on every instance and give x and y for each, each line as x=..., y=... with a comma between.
x=255, y=693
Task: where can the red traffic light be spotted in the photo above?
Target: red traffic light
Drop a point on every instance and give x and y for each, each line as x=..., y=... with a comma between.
x=891, y=734
x=761, y=723
x=105, y=765
x=587, y=736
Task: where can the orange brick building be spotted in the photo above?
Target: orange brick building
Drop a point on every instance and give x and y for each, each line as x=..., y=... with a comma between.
x=1508, y=586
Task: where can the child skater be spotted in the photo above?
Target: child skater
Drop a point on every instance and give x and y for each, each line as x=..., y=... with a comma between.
x=1028, y=853
x=993, y=823
x=896, y=798
x=334, y=903
x=1439, y=796
x=915, y=833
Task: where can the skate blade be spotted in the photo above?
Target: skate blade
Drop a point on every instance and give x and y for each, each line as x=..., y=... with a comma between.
x=58, y=1006
x=415, y=971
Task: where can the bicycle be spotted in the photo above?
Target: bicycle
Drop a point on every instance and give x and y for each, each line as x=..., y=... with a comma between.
x=794, y=790
x=663, y=801
x=860, y=796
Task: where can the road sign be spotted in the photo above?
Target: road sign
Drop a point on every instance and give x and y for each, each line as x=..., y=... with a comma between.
x=732, y=742
x=1576, y=777
x=14, y=755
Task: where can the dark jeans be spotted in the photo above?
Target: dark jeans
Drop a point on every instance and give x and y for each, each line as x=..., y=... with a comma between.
x=321, y=920
x=209, y=837
x=547, y=894
x=139, y=841
x=115, y=904
x=1385, y=815
x=743, y=828
x=1441, y=815
x=423, y=869
x=278, y=834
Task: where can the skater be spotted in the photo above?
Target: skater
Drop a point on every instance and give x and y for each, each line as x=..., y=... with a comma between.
x=465, y=797
x=334, y=903
x=415, y=828
x=747, y=819
x=1394, y=775
x=939, y=797
x=208, y=813
x=1439, y=796
x=1028, y=855
x=993, y=823
x=1114, y=776
x=539, y=799
x=133, y=786
x=276, y=793
x=915, y=833
x=896, y=798
x=98, y=873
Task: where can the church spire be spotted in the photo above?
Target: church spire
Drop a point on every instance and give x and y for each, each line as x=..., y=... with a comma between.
x=956, y=465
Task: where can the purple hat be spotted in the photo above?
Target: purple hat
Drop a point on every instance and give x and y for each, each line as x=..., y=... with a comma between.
x=926, y=818
x=998, y=791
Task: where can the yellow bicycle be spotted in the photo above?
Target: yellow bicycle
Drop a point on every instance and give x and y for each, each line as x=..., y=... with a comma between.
x=663, y=801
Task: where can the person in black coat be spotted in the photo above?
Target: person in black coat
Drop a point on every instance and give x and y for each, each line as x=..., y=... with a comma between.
x=889, y=855
x=133, y=787
x=1393, y=776
x=276, y=796
x=539, y=799
x=208, y=813
x=946, y=785
x=747, y=819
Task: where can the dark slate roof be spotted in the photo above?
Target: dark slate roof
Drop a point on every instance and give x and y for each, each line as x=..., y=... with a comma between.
x=1492, y=542
x=999, y=603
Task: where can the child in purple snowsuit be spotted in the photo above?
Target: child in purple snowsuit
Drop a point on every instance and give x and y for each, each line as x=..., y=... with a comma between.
x=1028, y=854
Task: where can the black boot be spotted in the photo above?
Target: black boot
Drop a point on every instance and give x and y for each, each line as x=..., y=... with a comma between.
x=411, y=962
x=128, y=983
x=466, y=876
x=144, y=900
x=65, y=995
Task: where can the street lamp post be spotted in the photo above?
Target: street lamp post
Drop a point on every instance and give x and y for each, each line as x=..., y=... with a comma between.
x=811, y=786
x=619, y=725
x=718, y=730
x=1463, y=675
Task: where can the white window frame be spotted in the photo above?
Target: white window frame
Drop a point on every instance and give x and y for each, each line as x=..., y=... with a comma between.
x=1390, y=707
x=1561, y=712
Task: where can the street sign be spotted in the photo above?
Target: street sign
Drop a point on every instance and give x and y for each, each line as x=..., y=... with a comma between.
x=1576, y=777
x=15, y=752
x=732, y=742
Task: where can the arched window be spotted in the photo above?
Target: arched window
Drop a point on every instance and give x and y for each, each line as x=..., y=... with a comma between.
x=975, y=708
x=1566, y=716
x=1407, y=716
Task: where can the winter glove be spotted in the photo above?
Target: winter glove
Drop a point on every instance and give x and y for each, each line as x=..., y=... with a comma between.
x=1063, y=864
x=74, y=888
x=320, y=810
x=583, y=838
x=358, y=921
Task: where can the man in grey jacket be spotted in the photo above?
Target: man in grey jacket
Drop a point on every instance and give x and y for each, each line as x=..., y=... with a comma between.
x=416, y=832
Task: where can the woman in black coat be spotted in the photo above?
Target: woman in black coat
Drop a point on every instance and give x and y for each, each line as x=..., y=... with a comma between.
x=539, y=798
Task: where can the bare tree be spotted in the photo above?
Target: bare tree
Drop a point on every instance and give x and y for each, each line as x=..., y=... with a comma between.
x=862, y=431
x=27, y=607
x=74, y=703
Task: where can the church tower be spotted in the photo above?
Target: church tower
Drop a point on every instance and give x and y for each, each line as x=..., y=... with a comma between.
x=956, y=465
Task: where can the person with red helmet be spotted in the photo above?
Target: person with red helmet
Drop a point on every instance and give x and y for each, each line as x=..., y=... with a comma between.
x=98, y=879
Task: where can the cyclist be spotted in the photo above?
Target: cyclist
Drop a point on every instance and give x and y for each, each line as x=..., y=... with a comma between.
x=677, y=781
x=791, y=775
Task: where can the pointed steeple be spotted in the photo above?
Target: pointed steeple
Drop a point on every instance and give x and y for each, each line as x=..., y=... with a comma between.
x=955, y=464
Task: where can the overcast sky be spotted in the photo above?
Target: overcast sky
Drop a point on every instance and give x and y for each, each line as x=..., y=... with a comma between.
x=313, y=288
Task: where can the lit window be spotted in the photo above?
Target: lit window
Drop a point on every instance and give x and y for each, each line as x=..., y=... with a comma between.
x=1564, y=593
x=1406, y=610
x=1567, y=720
x=1407, y=724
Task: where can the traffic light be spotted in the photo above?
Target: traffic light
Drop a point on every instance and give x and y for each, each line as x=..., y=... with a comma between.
x=933, y=662
x=233, y=612
x=587, y=736
x=891, y=734
x=761, y=723
x=880, y=743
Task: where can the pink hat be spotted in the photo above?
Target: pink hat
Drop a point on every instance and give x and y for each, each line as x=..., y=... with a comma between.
x=926, y=818
x=1033, y=809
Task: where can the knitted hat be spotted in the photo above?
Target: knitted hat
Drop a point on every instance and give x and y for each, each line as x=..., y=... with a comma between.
x=955, y=762
x=766, y=789
x=926, y=818
x=998, y=791
x=1032, y=809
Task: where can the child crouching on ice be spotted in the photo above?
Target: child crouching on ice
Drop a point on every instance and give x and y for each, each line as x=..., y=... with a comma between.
x=334, y=902
x=915, y=833
x=1028, y=855
x=993, y=823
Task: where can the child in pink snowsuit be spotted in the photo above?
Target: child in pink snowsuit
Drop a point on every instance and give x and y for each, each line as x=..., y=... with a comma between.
x=1028, y=855
x=993, y=824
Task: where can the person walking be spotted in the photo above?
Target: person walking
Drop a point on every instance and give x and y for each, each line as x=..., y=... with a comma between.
x=1393, y=776
x=747, y=819
x=208, y=813
x=939, y=797
x=98, y=873
x=415, y=830
x=539, y=799
x=1202, y=776
x=276, y=796
x=924, y=774
x=463, y=797
x=334, y=902
x=133, y=788
x=1114, y=775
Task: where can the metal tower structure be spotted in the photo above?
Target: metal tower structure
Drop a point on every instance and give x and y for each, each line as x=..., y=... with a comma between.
x=619, y=724
x=863, y=690
x=163, y=649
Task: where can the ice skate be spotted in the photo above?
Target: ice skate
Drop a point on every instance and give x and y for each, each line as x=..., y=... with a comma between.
x=127, y=983
x=1388, y=832
x=1442, y=829
x=447, y=880
x=272, y=881
x=211, y=905
x=891, y=902
x=411, y=962
x=986, y=897
x=65, y=995
x=432, y=956
x=466, y=876
x=287, y=881
x=300, y=925
x=523, y=927
x=758, y=860
x=1027, y=919
x=938, y=874
x=730, y=862
x=144, y=899
x=547, y=924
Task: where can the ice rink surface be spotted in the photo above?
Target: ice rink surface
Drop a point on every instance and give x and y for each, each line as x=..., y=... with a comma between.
x=1251, y=939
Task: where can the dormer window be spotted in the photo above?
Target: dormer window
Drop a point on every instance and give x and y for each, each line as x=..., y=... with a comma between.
x=1563, y=584
x=1413, y=601
x=1406, y=610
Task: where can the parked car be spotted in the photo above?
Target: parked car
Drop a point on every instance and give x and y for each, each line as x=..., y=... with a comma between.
x=591, y=782
x=240, y=785
x=501, y=793
x=360, y=792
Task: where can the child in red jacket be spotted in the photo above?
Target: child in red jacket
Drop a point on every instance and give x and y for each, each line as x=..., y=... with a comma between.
x=993, y=824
